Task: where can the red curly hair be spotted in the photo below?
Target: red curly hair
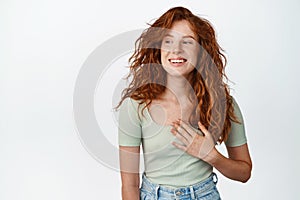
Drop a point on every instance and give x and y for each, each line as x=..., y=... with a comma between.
x=213, y=103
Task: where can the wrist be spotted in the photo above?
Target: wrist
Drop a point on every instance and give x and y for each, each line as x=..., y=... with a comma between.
x=212, y=156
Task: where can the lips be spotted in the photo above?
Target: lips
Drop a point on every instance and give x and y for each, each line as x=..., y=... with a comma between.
x=177, y=61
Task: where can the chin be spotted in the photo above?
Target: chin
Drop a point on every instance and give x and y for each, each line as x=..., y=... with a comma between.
x=177, y=72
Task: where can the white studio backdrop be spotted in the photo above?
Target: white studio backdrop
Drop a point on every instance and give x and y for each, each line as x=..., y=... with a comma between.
x=43, y=45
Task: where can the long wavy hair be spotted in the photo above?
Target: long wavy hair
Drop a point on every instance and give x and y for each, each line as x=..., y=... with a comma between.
x=213, y=104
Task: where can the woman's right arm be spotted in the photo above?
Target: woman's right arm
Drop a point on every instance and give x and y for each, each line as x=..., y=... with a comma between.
x=129, y=165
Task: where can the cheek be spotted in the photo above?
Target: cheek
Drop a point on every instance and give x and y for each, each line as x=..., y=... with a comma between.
x=194, y=56
x=164, y=55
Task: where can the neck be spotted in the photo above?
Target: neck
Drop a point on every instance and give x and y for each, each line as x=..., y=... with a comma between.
x=178, y=88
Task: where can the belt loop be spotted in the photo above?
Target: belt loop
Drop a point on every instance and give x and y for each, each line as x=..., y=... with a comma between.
x=156, y=192
x=215, y=178
x=192, y=192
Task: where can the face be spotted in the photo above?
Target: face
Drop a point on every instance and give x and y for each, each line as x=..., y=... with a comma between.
x=179, y=49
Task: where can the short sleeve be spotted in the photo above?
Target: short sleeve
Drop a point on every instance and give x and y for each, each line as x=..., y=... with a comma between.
x=129, y=130
x=237, y=135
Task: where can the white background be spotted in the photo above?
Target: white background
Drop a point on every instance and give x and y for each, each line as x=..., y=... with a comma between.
x=43, y=45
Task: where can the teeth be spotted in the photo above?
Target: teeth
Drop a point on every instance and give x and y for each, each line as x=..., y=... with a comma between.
x=177, y=61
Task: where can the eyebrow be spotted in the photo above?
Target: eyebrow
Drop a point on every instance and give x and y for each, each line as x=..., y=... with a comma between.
x=186, y=36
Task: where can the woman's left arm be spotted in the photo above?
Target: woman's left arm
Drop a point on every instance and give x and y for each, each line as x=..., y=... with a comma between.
x=237, y=167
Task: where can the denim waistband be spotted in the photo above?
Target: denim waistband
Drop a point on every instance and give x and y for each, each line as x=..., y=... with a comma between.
x=164, y=191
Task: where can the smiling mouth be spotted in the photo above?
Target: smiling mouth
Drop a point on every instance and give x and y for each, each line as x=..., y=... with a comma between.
x=177, y=60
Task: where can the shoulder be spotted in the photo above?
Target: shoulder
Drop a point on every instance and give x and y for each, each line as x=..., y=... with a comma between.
x=130, y=102
x=132, y=106
x=236, y=108
x=233, y=100
x=237, y=134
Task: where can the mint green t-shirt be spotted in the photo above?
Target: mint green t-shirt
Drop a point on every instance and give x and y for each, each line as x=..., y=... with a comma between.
x=164, y=163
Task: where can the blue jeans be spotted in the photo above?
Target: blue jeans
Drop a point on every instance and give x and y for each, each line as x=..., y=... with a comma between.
x=204, y=190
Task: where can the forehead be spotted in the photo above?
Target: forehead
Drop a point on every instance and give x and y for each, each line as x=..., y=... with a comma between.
x=181, y=28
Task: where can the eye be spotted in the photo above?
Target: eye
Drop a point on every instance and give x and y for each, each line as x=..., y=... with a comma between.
x=187, y=42
x=168, y=41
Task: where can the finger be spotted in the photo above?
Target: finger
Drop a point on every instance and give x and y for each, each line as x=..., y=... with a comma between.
x=183, y=132
x=188, y=128
x=180, y=137
x=183, y=148
x=203, y=129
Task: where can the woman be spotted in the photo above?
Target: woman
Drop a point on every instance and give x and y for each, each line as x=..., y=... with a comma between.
x=178, y=107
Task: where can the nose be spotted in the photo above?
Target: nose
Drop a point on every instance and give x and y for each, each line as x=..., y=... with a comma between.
x=176, y=47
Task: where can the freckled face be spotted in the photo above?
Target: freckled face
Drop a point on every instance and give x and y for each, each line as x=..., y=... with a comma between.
x=179, y=49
